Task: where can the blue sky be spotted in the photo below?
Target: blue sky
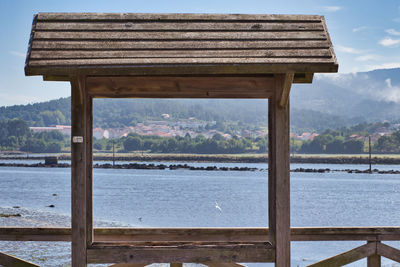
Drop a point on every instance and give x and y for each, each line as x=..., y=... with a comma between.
x=365, y=34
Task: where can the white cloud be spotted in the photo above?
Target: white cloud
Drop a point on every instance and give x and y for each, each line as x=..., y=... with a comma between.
x=390, y=65
x=18, y=54
x=393, y=32
x=388, y=41
x=368, y=57
x=349, y=50
x=391, y=93
x=331, y=8
x=366, y=86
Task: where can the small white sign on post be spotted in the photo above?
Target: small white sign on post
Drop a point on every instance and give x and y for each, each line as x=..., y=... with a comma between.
x=77, y=139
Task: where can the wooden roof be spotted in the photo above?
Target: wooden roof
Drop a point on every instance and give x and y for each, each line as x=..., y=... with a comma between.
x=64, y=44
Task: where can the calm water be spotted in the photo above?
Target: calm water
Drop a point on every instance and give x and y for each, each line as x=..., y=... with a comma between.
x=162, y=198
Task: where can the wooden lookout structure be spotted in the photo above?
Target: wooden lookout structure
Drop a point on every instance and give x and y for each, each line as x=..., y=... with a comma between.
x=186, y=56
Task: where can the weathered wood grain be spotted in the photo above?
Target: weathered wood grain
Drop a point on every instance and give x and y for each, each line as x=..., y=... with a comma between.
x=388, y=252
x=89, y=167
x=328, y=39
x=174, y=61
x=11, y=261
x=64, y=43
x=79, y=151
x=272, y=53
x=177, y=26
x=110, y=45
x=287, y=84
x=279, y=174
x=185, y=87
x=222, y=264
x=204, y=234
x=181, y=253
x=348, y=256
x=129, y=265
x=175, y=17
x=179, y=70
x=168, y=35
x=374, y=260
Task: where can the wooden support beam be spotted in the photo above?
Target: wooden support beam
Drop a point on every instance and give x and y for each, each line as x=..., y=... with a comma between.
x=53, y=78
x=89, y=169
x=79, y=152
x=180, y=252
x=374, y=260
x=303, y=77
x=11, y=261
x=388, y=252
x=348, y=256
x=222, y=264
x=298, y=78
x=279, y=174
x=175, y=264
x=129, y=265
x=284, y=95
x=181, y=87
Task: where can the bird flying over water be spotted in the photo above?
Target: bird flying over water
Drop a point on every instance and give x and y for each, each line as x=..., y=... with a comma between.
x=217, y=206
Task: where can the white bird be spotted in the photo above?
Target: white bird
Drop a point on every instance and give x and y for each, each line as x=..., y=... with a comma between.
x=217, y=206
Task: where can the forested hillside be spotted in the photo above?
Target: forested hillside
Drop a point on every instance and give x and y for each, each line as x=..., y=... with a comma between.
x=330, y=102
x=114, y=113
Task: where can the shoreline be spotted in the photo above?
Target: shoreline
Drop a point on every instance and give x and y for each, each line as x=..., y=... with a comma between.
x=229, y=158
x=144, y=166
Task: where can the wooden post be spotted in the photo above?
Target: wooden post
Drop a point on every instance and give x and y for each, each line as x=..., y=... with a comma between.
x=374, y=260
x=79, y=171
x=279, y=173
x=89, y=169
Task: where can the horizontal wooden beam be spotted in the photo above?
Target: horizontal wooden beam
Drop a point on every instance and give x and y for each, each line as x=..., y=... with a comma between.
x=298, y=78
x=190, y=69
x=11, y=261
x=180, y=87
x=129, y=265
x=180, y=252
x=348, y=256
x=204, y=234
x=222, y=264
x=345, y=233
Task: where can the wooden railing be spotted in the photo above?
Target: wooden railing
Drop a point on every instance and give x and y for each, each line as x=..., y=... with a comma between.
x=253, y=241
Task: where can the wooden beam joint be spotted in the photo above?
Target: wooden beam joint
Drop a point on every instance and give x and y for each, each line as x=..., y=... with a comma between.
x=285, y=92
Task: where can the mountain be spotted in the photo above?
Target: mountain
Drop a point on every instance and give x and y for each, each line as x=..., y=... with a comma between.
x=369, y=96
x=332, y=101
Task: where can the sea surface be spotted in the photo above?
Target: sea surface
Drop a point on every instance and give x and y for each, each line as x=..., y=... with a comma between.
x=184, y=198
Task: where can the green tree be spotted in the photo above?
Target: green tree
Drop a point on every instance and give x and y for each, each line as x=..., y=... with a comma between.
x=353, y=146
x=132, y=143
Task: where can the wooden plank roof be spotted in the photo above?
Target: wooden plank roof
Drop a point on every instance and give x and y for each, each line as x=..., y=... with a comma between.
x=66, y=44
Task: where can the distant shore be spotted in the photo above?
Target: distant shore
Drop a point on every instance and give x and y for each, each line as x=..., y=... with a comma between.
x=225, y=158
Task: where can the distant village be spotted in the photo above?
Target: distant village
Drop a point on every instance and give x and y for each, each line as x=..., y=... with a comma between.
x=194, y=127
